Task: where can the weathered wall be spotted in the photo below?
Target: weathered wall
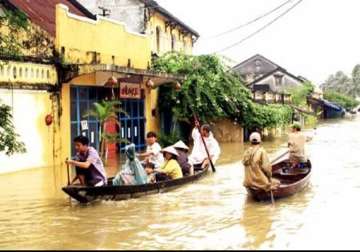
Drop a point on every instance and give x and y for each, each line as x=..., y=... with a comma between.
x=108, y=38
x=288, y=82
x=226, y=131
x=130, y=12
x=183, y=43
x=27, y=72
x=34, y=42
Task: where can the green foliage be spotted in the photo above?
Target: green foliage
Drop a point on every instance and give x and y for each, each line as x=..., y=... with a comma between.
x=344, y=84
x=300, y=93
x=344, y=101
x=166, y=140
x=311, y=121
x=106, y=111
x=9, y=142
x=269, y=116
x=212, y=91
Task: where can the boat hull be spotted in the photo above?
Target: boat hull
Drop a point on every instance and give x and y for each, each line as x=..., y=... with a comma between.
x=290, y=184
x=88, y=194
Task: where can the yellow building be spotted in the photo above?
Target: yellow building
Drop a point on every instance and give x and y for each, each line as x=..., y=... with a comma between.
x=99, y=60
x=167, y=32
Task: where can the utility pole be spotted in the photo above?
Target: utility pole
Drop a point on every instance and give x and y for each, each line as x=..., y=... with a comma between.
x=105, y=12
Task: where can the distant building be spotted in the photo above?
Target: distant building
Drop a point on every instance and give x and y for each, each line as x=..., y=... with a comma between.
x=268, y=81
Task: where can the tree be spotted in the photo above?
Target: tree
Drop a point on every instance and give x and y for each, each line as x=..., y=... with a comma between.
x=9, y=142
x=106, y=111
x=356, y=80
x=299, y=94
x=213, y=91
x=344, y=101
x=339, y=82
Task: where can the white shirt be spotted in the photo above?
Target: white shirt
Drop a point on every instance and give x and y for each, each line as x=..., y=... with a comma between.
x=157, y=158
x=199, y=154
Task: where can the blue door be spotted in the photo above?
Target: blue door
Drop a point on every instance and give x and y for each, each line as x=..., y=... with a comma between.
x=132, y=124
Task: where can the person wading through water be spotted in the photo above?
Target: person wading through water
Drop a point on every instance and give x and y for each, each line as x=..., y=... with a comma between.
x=258, y=169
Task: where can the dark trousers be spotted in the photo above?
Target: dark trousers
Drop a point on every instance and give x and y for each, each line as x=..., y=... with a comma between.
x=89, y=181
x=161, y=177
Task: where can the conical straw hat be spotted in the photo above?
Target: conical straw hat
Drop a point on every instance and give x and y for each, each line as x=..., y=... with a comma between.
x=170, y=150
x=181, y=145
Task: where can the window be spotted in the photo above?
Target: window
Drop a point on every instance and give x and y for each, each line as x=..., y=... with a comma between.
x=158, y=39
x=173, y=42
x=258, y=66
x=278, y=79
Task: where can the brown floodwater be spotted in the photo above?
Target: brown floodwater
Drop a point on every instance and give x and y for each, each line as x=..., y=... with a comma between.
x=215, y=213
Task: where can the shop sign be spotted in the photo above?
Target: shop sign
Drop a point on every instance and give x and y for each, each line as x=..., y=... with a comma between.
x=130, y=91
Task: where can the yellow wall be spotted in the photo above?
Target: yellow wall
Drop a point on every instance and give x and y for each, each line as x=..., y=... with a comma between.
x=27, y=72
x=65, y=122
x=79, y=36
x=151, y=102
x=40, y=47
x=183, y=43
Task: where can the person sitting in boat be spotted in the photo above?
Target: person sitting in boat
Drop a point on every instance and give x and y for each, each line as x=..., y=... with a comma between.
x=296, y=144
x=258, y=169
x=199, y=158
x=153, y=151
x=132, y=172
x=150, y=171
x=89, y=166
x=182, y=149
x=170, y=169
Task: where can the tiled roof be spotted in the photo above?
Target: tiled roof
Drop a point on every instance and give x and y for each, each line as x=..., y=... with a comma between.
x=42, y=12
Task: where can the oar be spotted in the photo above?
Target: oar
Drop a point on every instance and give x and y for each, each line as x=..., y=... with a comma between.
x=280, y=157
x=272, y=198
x=68, y=171
x=206, y=149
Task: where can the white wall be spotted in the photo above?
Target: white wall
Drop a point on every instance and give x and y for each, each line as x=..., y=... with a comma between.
x=29, y=111
x=130, y=12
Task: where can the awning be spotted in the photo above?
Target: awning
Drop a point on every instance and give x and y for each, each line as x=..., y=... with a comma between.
x=99, y=75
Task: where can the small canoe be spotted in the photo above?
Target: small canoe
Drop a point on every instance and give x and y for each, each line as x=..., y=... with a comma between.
x=291, y=182
x=85, y=194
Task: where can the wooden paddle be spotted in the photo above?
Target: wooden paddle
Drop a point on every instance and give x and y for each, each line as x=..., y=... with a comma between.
x=280, y=157
x=206, y=149
x=68, y=171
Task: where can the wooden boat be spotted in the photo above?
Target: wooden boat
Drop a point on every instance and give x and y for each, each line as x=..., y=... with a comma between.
x=291, y=182
x=85, y=194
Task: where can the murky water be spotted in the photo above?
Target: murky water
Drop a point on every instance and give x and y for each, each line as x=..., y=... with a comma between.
x=212, y=214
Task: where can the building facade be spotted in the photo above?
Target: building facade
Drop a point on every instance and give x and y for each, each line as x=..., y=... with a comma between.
x=167, y=32
x=99, y=60
x=269, y=82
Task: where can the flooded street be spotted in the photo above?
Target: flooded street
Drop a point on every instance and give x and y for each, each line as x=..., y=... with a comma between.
x=215, y=213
